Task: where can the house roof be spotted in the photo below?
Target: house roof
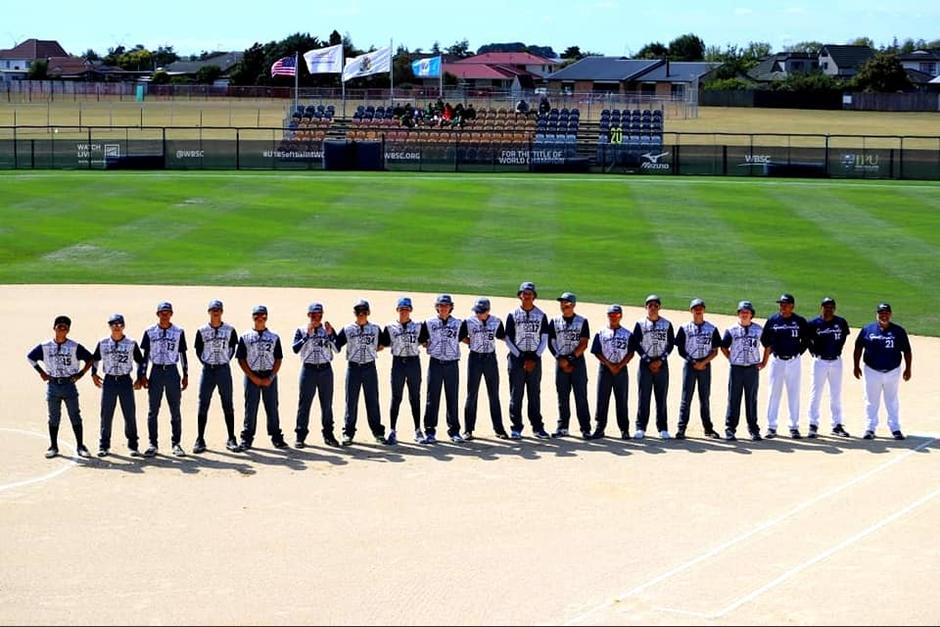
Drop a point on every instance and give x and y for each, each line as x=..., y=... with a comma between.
x=613, y=69
x=917, y=77
x=33, y=49
x=224, y=60
x=507, y=58
x=678, y=71
x=69, y=66
x=848, y=56
x=774, y=66
x=481, y=71
x=921, y=55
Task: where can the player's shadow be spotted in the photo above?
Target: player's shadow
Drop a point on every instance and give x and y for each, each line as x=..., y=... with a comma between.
x=190, y=465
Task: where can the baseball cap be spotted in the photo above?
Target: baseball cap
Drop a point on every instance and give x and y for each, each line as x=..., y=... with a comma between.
x=653, y=298
x=258, y=310
x=745, y=304
x=115, y=318
x=614, y=309
x=315, y=308
x=828, y=300
x=568, y=296
x=215, y=304
x=62, y=320
x=527, y=286
x=883, y=307
x=696, y=302
x=444, y=299
x=786, y=298
x=481, y=305
x=404, y=302
x=165, y=306
x=361, y=304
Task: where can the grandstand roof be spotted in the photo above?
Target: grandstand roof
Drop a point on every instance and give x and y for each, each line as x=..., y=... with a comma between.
x=679, y=71
x=604, y=69
x=507, y=58
x=35, y=49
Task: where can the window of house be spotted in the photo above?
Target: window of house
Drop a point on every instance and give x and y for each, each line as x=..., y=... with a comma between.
x=929, y=68
x=678, y=90
x=825, y=65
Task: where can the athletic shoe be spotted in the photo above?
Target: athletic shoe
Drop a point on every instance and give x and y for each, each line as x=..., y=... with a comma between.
x=730, y=436
x=347, y=440
x=664, y=434
x=755, y=437
x=199, y=447
x=639, y=434
x=330, y=440
x=869, y=435
x=392, y=439
x=680, y=434
x=297, y=444
x=456, y=439
x=515, y=435
x=430, y=439
x=813, y=432
x=897, y=435
x=600, y=435
x=151, y=451
x=419, y=437
x=83, y=451
x=381, y=439
x=502, y=435
x=178, y=451
x=560, y=433
x=542, y=435
x=713, y=435
x=51, y=452
x=586, y=435
x=245, y=445
x=103, y=452
x=795, y=434
x=279, y=443
x=135, y=452
x=233, y=446
x=468, y=436
x=840, y=431
x=771, y=434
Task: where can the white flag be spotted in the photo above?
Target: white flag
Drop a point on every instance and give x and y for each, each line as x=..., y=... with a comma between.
x=372, y=63
x=325, y=60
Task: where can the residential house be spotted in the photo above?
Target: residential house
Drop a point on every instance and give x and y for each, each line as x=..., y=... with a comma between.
x=843, y=61
x=225, y=61
x=15, y=62
x=925, y=61
x=781, y=65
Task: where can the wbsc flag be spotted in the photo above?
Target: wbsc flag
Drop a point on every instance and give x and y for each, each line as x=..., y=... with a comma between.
x=284, y=67
x=325, y=60
x=427, y=68
x=372, y=63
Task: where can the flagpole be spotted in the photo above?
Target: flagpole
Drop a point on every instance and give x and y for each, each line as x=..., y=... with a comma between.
x=342, y=79
x=391, y=73
x=440, y=75
x=296, y=77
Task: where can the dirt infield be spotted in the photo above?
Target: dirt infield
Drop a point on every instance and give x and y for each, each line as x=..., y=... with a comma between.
x=829, y=531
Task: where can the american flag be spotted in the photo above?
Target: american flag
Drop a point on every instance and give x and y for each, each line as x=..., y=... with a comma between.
x=285, y=66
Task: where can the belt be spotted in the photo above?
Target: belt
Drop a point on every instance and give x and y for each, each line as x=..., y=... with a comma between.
x=829, y=358
x=403, y=359
x=481, y=355
x=785, y=357
x=443, y=362
x=117, y=377
x=164, y=367
x=61, y=380
x=356, y=364
x=316, y=366
x=214, y=366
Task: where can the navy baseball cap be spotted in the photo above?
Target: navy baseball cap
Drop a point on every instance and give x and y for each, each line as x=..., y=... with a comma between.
x=257, y=310
x=404, y=303
x=444, y=299
x=361, y=305
x=653, y=298
x=696, y=302
x=62, y=320
x=568, y=296
x=746, y=304
x=883, y=307
x=828, y=300
x=315, y=308
x=164, y=306
x=614, y=309
x=115, y=318
x=786, y=298
x=527, y=286
x=215, y=304
x=481, y=305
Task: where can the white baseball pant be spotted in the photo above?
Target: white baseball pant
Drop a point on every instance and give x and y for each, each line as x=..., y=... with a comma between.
x=878, y=384
x=784, y=371
x=826, y=371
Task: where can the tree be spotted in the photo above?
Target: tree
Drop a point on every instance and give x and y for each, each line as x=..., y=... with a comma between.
x=160, y=78
x=38, y=70
x=572, y=52
x=251, y=66
x=335, y=38
x=208, y=74
x=436, y=48
x=728, y=84
x=862, y=41
x=459, y=48
x=688, y=47
x=811, y=47
x=91, y=55
x=883, y=73
x=808, y=81
x=653, y=50
x=164, y=55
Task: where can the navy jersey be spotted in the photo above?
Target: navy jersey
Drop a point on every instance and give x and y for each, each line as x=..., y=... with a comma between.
x=315, y=348
x=696, y=341
x=165, y=347
x=362, y=342
x=442, y=337
x=743, y=343
x=786, y=337
x=527, y=331
x=883, y=347
x=653, y=340
x=482, y=335
x=613, y=344
x=826, y=339
x=402, y=338
x=215, y=346
x=118, y=358
x=61, y=360
x=260, y=349
x=564, y=334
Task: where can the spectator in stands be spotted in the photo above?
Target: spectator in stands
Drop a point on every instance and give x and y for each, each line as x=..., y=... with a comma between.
x=447, y=115
x=522, y=108
x=470, y=113
x=398, y=111
x=544, y=105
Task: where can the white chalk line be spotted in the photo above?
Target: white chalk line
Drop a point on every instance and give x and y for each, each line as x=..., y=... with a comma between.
x=46, y=477
x=748, y=534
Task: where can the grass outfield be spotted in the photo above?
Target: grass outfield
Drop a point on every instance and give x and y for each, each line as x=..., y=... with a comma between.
x=605, y=238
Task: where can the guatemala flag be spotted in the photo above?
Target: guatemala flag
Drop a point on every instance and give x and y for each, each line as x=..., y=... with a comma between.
x=427, y=68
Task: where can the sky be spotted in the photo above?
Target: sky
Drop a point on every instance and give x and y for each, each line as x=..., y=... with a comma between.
x=610, y=27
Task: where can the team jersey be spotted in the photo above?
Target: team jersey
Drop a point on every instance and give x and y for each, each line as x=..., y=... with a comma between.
x=442, y=337
x=315, y=349
x=117, y=358
x=827, y=338
x=402, y=338
x=696, y=341
x=61, y=360
x=526, y=331
x=482, y=334
x=613, y=344
x=743, y=343
x=260, y=349
x=786, y=337
x=362, y=343
x=564, y=334
x=165, y=347
x=653, y=340
x=883, y=347
x=215, y=346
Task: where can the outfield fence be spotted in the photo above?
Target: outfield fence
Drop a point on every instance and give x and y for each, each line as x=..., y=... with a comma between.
x=720, y=154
